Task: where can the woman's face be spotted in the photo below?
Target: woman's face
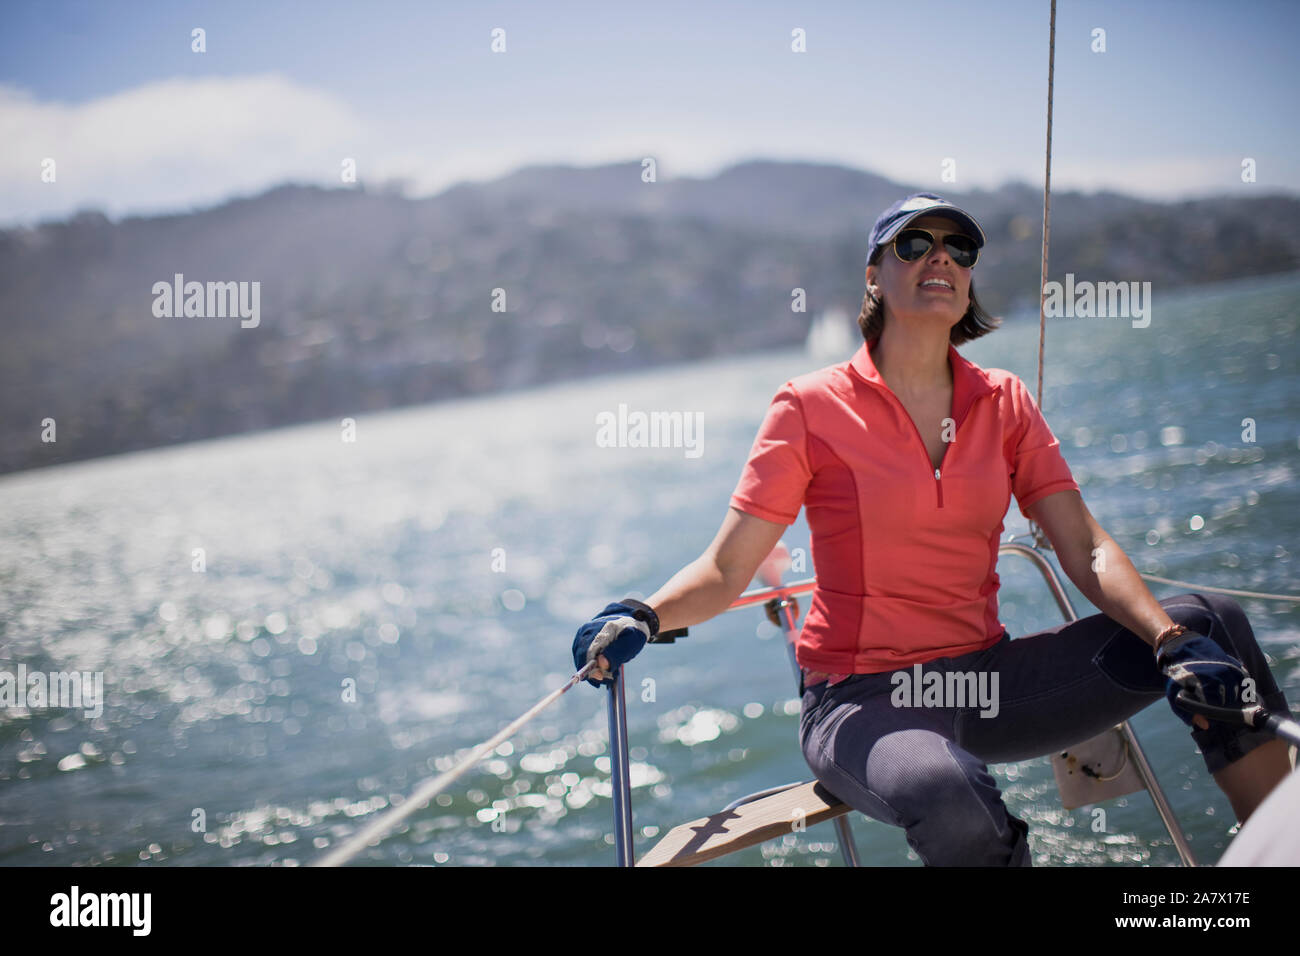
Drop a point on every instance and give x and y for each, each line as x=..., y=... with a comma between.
x=900, y=283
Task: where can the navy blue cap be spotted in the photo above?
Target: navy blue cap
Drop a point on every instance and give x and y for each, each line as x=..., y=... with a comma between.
x=896, y=217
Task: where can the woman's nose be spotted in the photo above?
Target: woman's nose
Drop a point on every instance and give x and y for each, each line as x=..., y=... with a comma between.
x=938, y=252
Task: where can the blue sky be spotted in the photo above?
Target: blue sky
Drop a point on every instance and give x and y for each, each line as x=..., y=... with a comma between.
x=137, y=122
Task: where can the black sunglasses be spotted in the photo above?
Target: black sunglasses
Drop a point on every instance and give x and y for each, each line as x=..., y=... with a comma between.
x=911, y=244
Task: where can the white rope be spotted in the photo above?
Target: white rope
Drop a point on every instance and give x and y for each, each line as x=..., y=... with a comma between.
x=430, y=788
x=1206, y=587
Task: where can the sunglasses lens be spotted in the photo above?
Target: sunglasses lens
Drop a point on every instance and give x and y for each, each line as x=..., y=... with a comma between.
x=912, y=244
x=963, y=250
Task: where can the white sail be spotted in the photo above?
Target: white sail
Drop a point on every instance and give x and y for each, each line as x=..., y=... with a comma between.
x=833, y=336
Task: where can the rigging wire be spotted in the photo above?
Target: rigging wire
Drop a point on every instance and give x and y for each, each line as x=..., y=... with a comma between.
x=1035, y=532
x=1047, y=206
x=1039, y=537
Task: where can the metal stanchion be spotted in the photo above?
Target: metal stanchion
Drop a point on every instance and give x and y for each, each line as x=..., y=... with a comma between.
x=620, y=778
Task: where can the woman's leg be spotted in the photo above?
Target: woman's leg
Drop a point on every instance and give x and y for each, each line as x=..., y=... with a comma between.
x=1251, y=778
x=1254, y=770
x=1073, y=681
x=925, y=768
x=901, y=766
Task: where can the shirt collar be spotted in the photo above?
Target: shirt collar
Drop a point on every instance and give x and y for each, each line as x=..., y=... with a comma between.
x=969, y=381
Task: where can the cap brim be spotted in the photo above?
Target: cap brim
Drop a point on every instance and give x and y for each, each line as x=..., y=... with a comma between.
x=961, y=217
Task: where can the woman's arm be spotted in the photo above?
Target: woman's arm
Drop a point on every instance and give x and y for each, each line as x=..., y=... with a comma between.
x=1080, y=542
x=707, y=586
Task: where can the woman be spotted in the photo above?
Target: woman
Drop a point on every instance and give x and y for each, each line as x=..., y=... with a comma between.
x=905, y=458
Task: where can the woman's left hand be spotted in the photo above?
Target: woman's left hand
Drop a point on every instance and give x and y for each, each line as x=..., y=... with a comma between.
x=1194, y=663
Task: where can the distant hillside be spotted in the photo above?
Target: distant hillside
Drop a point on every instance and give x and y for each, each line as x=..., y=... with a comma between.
x=370, y=301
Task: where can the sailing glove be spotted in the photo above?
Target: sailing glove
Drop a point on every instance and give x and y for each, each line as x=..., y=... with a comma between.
x=1194, y=663
x=619, y=632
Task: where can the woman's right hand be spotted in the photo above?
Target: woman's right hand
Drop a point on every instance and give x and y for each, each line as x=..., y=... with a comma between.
x=616, y=635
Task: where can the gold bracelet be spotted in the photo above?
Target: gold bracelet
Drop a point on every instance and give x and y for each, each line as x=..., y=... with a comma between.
x=1170, y=632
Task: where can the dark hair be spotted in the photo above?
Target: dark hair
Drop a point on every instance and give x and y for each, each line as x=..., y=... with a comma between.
x=975, y=323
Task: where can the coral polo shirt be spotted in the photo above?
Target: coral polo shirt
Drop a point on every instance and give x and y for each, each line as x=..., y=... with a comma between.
x=905, y=554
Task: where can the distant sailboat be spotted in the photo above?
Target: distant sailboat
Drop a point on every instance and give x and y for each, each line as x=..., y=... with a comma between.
x=833, y=336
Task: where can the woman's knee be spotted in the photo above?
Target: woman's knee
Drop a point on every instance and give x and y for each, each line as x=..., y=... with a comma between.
x=1225, y=622
x=1232, y=616
x=1217, y=616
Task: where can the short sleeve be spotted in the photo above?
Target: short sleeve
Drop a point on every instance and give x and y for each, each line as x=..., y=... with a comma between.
x=775, y=477
x=1038, y=467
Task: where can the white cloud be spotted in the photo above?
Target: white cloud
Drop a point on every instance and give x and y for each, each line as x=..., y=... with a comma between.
x=183, y=143
x=170, y=144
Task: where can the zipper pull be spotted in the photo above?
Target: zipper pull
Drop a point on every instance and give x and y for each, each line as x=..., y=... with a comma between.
x=936, y=474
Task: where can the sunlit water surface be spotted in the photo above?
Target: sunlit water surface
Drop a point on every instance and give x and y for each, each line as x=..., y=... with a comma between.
x=369, y=610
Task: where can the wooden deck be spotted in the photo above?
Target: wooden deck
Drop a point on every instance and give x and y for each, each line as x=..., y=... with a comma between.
x=747, y=825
